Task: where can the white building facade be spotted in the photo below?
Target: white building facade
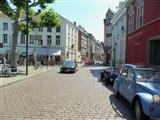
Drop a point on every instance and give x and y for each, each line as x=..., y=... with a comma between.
x=98, y=52
x=58, y=43
x=119, y=36
x=107, y=37
x=83, y=42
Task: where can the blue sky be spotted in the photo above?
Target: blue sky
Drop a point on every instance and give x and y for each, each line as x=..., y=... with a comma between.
x=88, y=13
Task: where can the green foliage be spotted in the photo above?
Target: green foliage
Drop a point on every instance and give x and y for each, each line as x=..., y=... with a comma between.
x=23, y=29
x=31, y=12
x=20, y=4
x=5, y=8
x=49, y=19
x=16, y=9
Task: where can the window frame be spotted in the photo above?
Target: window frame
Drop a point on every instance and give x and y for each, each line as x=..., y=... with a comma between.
x=139, y=16
x=5, y=38
x=130, y=19
x=49, y=29
x=58, y=40
x=40, y=29
x=58, y=29
x=5, y=26
x=40, y=42
x=49, y=40
x=22, y=40
x=31, y=41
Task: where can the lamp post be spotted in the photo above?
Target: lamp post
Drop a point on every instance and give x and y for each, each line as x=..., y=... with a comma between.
x=114, y=55
x=27, y=30
x=72, y=46
x=35, y=52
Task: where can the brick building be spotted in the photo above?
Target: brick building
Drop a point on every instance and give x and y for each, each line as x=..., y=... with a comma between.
x=143, y=32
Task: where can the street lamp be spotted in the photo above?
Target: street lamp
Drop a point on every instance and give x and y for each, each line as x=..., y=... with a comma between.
x=27, y=31
x=72, y=47
x=114, y=55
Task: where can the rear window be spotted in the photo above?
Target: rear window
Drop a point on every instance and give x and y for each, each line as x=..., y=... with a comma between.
x=69, y=63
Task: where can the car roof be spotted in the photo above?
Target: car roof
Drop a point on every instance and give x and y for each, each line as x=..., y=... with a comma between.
x=69, y=60
x=141, y=66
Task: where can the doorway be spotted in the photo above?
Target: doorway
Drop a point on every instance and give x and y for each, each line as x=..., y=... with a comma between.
x=154, y=52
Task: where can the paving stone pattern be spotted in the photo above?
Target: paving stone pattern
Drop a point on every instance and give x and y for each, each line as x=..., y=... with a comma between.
x=55, y=96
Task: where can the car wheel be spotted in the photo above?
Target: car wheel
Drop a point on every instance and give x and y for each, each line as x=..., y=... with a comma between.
x=102, y=76
x=116, y=93
x=139, y=114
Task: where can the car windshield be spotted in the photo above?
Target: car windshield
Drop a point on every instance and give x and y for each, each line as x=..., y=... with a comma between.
x=148, y=74
x=110, y=69
x=69, y=63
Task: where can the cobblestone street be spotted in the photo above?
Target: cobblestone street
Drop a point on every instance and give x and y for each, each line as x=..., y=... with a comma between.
x=56, y=96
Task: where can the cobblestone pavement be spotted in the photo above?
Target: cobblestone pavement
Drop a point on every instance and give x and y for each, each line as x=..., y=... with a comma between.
x=55, y=96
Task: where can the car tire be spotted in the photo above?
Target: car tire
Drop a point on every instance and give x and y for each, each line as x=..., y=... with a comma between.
x=138, y=111
x=116, y=93
x=102, y=76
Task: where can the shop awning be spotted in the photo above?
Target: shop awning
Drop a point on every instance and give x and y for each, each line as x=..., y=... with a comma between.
x=48, y=51
x=58, y=53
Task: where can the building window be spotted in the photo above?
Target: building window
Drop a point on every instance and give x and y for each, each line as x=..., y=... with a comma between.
x=22, y=39
x=5, y=38
x=109, y=29
x=69, y=42
x=49, y=39
x=40, y=42
x=57, y=40
x=131, y=23
x=58, y=29
x=68, y=30
x=49, y=29
x=109, y=17
x=139, y=16
x=5, y=26
x=40, y=29
x=31, y=40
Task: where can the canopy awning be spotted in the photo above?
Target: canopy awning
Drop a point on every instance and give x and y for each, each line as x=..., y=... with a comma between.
x=58, y=53
x=48, y=51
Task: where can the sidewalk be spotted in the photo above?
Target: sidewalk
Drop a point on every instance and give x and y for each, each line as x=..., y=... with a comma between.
x=5, y=81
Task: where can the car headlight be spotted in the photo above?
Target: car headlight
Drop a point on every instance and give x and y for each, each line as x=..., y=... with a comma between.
x=156, y=98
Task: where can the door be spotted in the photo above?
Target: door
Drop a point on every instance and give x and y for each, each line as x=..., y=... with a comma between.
x=122, y=78
x=129, y=84
x=154, y=54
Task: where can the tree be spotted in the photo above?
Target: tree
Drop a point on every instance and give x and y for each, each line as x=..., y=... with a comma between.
x=17, y=8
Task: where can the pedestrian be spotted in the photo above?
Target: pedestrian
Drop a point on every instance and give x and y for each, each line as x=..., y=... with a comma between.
x=75, y=62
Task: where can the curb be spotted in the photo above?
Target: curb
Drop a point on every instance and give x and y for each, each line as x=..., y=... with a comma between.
x=23, y=79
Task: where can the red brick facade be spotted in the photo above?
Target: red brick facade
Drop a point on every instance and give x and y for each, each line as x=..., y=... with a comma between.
x=143, y=42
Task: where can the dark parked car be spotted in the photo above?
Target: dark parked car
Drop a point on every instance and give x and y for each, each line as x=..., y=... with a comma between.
x=109, y=75
x=141, y=87
x=69, y=66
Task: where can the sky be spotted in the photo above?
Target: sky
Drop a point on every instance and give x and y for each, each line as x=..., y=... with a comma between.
x=87, y=13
